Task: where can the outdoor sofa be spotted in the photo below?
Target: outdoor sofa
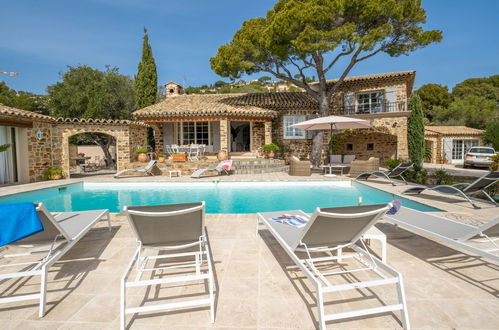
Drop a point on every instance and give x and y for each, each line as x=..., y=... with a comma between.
x=299, y=167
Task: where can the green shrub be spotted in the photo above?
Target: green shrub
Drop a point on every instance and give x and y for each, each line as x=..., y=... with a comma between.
x=52, y=173
x=495, y=163
x=161, y=155
x=415, y=176
x=271, y=147
x=391, y=163
x=141, y=150
x=442, y=177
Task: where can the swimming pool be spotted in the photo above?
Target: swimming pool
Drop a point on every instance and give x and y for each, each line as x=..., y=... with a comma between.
x=220, y=197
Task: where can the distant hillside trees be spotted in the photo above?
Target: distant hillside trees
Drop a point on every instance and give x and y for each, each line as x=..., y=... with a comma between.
x=23, y=100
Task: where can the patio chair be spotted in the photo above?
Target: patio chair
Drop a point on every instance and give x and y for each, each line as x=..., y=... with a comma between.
x=391, y=174
x=223, y=167
x=299, y=167
x=168, y=228
x=334, y=229
x=466, y=190
x=145, y=170
x=454, y=233
x=61, y=231
x=335, y=160
x=347, y=159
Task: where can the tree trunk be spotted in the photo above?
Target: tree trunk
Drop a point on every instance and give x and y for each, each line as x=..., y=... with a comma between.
x=318, y=141
x=104, y=143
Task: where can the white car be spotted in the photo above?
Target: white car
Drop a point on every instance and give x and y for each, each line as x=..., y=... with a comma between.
x=479, y=157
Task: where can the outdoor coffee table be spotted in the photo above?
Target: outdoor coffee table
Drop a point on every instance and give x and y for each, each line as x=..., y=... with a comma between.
x=333, y=167
x=177, y=172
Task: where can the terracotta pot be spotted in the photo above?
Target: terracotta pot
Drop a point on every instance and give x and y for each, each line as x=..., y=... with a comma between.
x=179, y=158
x=222, y=155
x=271, y=154
x=142, y=157
x=161, y=159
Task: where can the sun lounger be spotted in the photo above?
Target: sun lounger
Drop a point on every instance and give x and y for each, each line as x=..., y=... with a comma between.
x=61, y=231
x=168, y=228
x=223, y=167
x=454, y=233
x=334, y=229
x=145, y=170
x=391, y=174
x=463, y=189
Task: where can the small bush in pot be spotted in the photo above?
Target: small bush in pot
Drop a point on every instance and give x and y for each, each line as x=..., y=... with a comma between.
x=391, y=163
x=142, y=154
x=161, y=157
x=270, y=148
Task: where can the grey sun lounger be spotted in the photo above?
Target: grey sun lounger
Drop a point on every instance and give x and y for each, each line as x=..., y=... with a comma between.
x=454, y=233
x=145, y=170
x=168, y=228
x=334, y=229
x=391, y=174
x=219, y=168
x=463, y=189
x=61, y=231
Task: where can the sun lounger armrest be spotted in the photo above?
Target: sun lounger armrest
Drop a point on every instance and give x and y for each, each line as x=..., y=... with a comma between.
x=460, y=184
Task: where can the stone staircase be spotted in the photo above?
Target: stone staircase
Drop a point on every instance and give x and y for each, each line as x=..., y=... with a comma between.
x=258, y=166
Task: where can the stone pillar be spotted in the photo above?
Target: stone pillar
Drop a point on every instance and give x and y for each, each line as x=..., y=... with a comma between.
x=402, y=146
x=268, y=132
x=158, y=136
x=224, y=134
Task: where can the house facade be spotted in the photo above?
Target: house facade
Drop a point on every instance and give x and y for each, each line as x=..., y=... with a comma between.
x=243, y=123
x=449, y=144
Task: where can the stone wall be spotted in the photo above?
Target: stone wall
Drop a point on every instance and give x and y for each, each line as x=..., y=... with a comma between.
x=137, y=136
x=257, y=137
x=41, y=152
x=384, y=146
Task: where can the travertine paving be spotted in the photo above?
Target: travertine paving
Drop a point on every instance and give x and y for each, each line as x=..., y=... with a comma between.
x=257, y=286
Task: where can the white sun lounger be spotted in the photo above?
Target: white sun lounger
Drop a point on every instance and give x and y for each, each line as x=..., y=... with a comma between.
x=219, y=168
x=334, y=229
x=69, y=228
x=453, y=233
x=168, y=228
x=145, y=170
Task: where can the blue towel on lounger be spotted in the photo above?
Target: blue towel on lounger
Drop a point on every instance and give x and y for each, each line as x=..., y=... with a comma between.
x=18, y=221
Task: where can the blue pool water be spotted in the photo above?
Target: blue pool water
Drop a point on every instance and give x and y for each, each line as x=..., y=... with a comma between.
x=221, y=197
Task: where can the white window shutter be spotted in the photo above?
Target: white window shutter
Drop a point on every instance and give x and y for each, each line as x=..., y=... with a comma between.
x=349, y=102
x=448, y=149
x=391, y=98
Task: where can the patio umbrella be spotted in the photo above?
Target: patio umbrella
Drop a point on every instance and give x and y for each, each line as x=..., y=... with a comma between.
x=332, y=122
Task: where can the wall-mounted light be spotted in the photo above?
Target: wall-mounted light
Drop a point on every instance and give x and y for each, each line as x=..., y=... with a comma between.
x=39, y=134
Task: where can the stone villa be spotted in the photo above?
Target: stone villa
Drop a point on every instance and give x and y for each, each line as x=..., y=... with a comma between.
x=239, y=123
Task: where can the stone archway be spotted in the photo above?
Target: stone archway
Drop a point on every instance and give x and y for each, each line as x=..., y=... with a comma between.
x=128, y=136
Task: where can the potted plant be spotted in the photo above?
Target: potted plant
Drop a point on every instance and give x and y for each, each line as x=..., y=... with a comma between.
x=179, y=157
x=161, y=157
x=142, y=154
x=270, y=148
x=53, y=173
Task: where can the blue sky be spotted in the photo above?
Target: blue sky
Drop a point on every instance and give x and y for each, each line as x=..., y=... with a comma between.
x=39, y=38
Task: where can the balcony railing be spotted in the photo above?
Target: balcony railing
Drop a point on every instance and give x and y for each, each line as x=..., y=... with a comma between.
x=375, y=108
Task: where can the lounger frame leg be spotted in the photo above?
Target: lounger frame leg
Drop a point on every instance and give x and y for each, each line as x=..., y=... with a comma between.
x=43, y=291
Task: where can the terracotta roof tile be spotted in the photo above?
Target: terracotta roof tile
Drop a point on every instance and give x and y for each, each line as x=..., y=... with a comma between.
x=14, y=113
x=452, y=130
x=92, y=121
x=247, y=105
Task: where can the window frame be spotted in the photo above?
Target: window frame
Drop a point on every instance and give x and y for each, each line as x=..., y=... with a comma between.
x=370, y=106
x=285, y=127
x=179, y=135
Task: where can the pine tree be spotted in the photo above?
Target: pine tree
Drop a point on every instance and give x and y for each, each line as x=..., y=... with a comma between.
x=146, y=82
x=415, y=132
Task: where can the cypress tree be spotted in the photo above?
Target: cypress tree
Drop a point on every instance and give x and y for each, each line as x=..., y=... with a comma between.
x=146, y=82
x=415, y=132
